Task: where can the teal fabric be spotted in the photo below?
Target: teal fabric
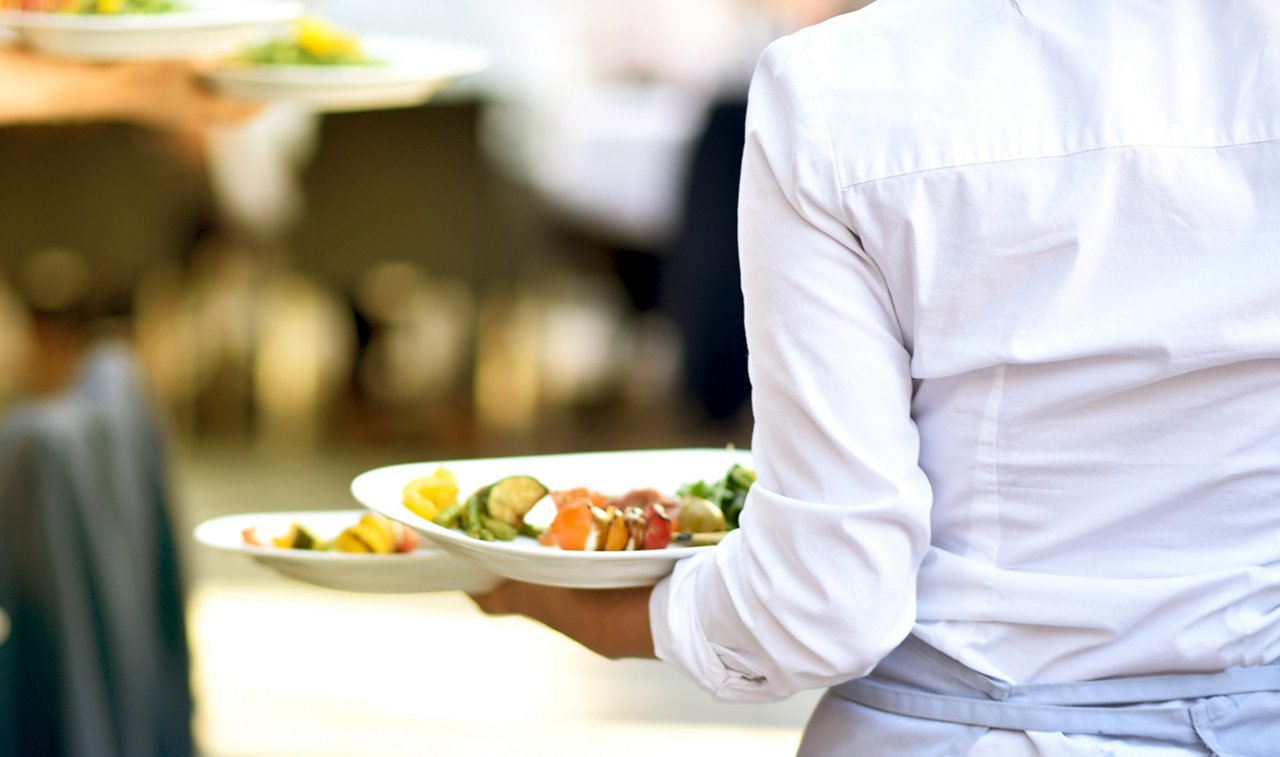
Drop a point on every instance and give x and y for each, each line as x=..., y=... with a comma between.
x=97, y=660
x=921, y=702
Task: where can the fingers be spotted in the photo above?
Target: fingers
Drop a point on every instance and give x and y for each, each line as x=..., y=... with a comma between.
x=219, y=110
x=171, y=95
x=532, y=600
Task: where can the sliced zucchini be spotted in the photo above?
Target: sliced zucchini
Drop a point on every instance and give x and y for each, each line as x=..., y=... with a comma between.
x=508, y=499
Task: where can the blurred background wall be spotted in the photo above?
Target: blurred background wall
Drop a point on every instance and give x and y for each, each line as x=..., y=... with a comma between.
x=456, y=273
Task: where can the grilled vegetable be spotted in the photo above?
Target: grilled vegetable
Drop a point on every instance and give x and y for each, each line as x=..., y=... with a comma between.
x=298, y=537
x=427, y=496
x=501, y=530
x=582, y=526
x=376, y=534
x=372, y=533
x=699, y=515
x=510, y=498
x=449, y=516
x=729, y=493
x=657, y=528
x=616, y=536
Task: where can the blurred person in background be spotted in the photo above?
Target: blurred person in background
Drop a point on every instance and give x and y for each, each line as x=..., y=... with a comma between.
x=97, y=659
x=700, y=278
x=1011, y=296
x=625, y=118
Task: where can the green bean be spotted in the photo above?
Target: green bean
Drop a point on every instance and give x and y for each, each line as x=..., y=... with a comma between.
x=449, y=516
x=500, y=530
x=471, y=517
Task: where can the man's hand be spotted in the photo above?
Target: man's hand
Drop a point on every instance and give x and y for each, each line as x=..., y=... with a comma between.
x=170, y=95
x=166, y=95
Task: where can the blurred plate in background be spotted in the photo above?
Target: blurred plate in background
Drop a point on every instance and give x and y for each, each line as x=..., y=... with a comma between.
x=523, y=559
x=426, y=569
x=409, y=72
x=210, y=28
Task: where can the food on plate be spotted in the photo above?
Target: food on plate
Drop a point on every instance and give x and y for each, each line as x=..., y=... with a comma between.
x=428, y=495
x=310, y=41
x=511, y=498
x=705, y=539
x=700, y=516
x=728, y=494
x=378, y=535
x=590, y=521
x=583, y=519
x=496, y=511
x=371, y=534
x=297, y=537
x=95, y=7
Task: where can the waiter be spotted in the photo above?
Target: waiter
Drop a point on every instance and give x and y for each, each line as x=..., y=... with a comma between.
x=1012, y=284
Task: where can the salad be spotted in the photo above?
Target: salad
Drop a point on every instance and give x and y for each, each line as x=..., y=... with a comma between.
x=310, y=41
x=583, y=519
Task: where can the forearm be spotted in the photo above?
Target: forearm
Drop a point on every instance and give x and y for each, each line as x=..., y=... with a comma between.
x=162, y=94
x=35, y=89
x=613, y=623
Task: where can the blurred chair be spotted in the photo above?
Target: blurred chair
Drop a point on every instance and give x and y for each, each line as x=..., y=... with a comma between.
x=96, y=662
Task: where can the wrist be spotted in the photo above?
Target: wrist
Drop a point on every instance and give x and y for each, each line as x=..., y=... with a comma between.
x=626, y=624
x=611, y=622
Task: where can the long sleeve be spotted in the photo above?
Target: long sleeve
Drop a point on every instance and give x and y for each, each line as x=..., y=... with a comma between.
x=818, y=584
x=1012, y=371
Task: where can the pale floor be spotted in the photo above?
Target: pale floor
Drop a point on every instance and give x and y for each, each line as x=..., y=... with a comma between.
x=285, y=668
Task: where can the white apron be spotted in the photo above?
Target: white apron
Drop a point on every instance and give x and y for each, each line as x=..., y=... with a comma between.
x=921, y=703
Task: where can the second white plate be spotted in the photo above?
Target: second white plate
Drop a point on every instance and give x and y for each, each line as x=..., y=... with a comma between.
x=210, y=28
x=427, y=569
x=410, y=72
x=523, y=559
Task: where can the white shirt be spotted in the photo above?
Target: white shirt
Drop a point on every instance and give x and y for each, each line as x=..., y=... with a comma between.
x=1012, y=289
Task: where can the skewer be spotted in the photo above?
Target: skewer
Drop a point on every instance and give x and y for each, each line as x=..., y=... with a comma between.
x=698, y=540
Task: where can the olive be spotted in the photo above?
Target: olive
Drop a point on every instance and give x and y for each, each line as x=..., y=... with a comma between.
x=699, y=516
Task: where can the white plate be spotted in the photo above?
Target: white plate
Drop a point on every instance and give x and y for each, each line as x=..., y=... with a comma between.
x=211, y=28
x=411, y=71
x=427, y=569
x=524, y=559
